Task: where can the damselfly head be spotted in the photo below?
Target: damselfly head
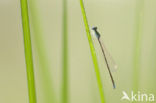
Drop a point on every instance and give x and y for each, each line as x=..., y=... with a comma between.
x=94, y=28
x=96, y=33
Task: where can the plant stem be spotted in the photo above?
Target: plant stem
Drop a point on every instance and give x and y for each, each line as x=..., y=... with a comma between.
x=28, y=52
x=137, y=44
x=44, y=69
x=92, y=49
x=65, y=55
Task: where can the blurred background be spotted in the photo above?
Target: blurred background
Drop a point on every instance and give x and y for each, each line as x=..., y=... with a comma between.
x=128, y=30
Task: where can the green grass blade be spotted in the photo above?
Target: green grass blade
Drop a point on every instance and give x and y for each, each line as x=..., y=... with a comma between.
x=137, y=44
x=92, y=49
x=28, y=52
x=64, y=88
x=44, y=70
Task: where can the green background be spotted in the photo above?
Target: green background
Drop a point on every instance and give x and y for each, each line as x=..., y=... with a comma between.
x=117, y=22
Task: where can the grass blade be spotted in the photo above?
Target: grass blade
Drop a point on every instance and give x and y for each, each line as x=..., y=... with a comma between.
x=65, y=55
x=44, y=70
x=28, y=52
x=137, y=44
x=92, y=49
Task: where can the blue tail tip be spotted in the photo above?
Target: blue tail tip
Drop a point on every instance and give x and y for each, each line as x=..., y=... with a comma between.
x=114, y=86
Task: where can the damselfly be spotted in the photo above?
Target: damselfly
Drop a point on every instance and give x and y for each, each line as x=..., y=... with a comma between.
x=108, y=59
